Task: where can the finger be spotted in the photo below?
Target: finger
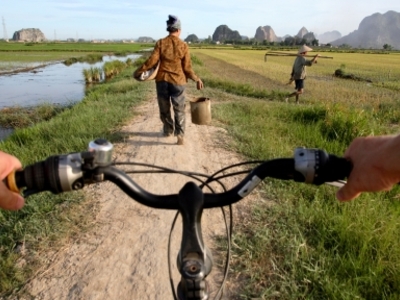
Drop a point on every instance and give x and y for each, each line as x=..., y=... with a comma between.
x=346, y=193
x=10, y=200
x=9, y=164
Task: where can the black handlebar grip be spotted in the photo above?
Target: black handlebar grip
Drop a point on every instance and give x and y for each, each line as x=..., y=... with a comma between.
x=333, y=169
x=40, y=176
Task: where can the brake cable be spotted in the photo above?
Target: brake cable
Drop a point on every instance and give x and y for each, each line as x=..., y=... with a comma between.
x=195, y=175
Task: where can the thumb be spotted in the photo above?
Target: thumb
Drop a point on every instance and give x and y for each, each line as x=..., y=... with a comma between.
x=10, y=200
x=346, y=193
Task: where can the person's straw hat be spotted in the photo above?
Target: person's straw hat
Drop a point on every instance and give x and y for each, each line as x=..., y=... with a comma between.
x=147, y=75
x=304, y=48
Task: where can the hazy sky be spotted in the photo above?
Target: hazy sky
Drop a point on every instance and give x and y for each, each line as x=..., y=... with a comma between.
x=115, y=19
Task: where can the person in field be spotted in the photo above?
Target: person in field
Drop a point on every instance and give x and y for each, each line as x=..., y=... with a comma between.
x=299, y=72
x=173, y=73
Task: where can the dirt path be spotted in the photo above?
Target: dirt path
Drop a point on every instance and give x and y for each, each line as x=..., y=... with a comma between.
x=124, y=256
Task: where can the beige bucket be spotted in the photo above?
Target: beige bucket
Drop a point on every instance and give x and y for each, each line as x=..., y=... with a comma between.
x=200, y=109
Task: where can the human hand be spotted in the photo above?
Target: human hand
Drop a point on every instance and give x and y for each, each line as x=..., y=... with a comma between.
x=9, y=200
x=199, y=84
x=376, y=166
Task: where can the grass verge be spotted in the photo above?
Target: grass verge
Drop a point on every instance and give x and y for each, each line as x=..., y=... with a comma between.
x=47, y=218
x=307, y=245
x=21, y=117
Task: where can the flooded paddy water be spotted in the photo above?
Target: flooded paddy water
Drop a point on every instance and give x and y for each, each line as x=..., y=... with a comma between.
x=55, y=83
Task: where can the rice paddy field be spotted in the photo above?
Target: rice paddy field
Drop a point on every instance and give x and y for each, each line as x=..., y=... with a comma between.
x=382, y=69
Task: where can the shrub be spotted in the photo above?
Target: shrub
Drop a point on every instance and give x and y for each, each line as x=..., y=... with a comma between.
x=345, y=125
x=310, y=115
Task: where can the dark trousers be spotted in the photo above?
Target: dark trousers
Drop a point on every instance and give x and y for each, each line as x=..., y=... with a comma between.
x=168, y=93
x=299, y=84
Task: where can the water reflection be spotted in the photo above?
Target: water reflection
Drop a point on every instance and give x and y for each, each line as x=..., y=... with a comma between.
x=56, y=84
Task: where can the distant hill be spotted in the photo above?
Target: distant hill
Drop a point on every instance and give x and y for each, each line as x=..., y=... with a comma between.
x=29, y=35
x=328, y=37
x=374, y=32
x=192, y=38
x=302, y=32
x=266, y=33
x=224, y=33
x=145, y=39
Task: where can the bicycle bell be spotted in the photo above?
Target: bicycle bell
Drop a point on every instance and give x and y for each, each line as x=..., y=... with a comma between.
x=103, y=150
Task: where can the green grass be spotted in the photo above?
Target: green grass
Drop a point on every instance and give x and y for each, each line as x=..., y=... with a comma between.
x=307, y=245
x=47, y=218
x=300, y=242
x=73, y=47
x=91, y=58
x=244, y=89
x=21, y=117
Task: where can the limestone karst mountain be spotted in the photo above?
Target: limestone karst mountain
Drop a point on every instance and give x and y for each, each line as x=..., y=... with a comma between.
x=29, y=35
x=266, y=33
x=302, y=32
x=192, y=38
x=224, y=33
x=374, y=32
x=329, y=36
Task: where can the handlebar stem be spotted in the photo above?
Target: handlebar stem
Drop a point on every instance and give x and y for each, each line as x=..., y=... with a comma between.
x=194, y=259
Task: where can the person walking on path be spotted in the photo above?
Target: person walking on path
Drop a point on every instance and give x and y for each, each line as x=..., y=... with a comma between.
x=174, y=70
x=299, y=71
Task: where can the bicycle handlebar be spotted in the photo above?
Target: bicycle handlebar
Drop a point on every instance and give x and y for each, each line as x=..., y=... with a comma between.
x=63, y=173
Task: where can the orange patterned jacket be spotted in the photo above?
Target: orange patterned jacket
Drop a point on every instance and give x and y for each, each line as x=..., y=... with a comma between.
x=176, y=66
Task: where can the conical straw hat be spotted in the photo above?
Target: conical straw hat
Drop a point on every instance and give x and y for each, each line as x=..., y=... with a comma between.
x=147, y=75
x=304, y=48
